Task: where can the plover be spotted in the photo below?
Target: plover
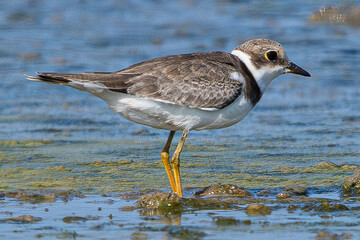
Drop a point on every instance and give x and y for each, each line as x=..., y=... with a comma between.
x=185, y=92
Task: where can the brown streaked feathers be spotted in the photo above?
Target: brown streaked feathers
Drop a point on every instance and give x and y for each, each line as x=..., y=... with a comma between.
x=196, y=80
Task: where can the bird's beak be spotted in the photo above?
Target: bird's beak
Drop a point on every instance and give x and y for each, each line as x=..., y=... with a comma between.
x=293, y=68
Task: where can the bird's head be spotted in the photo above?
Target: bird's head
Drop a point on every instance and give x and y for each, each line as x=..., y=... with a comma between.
x=266, y=59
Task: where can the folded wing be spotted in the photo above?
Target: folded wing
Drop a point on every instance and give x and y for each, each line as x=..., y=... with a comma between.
x=197, y=80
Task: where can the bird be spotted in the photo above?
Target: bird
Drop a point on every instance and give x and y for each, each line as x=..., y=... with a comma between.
x=184, y=92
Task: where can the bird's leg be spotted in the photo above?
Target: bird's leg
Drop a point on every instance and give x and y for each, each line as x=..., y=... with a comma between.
x=166, y=161
x=175, y=160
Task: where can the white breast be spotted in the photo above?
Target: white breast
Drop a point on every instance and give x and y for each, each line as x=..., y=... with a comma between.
x=164, y=115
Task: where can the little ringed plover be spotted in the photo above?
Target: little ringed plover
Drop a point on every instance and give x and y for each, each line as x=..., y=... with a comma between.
x=195, y=91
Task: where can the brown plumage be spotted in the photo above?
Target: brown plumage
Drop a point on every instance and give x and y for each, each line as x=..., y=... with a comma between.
x=196, y=80
x=187, y=92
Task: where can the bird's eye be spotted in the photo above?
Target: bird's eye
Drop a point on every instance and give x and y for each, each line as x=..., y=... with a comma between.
x=271, y=56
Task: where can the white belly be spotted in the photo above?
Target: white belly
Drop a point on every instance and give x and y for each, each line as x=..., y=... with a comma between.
x=170, y=116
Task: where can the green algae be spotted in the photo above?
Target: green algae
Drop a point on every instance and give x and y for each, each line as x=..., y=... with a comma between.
x=27, y=143
x=89, y=168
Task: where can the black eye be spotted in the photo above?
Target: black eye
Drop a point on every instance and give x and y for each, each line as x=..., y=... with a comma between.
x=271, y=56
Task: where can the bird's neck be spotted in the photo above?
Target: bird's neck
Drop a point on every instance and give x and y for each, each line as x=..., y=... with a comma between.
x=263, y=76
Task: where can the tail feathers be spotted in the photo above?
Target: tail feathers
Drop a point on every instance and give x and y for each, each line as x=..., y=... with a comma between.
x=53, y=78
x=87, y=81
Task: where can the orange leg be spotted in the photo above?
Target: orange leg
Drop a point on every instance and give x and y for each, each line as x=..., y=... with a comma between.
x=166, y=161
x=175, y=160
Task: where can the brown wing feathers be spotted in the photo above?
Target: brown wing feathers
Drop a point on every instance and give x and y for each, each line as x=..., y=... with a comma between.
x=198, y=80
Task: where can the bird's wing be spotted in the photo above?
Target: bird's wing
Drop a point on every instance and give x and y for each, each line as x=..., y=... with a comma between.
x=197, y=80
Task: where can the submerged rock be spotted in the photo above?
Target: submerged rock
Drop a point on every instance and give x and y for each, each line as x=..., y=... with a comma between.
x=297, y=190
x=293, y=191
x=326, y=165
x=42, y=196
x=324, y=207
x=325, y=235
x=256, y=209
x=36, y=197
x=184, y=232
x=292, y=208
x=139, y=236
x=225, y=221
x=74, y=219
x=159, y=200
x=223, y=190
x=23, y=219
x=283, y=195
x=351, y=184
x=327, y=207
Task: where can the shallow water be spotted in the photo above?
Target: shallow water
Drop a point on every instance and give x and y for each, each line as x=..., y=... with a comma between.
x=59, y=138
x=98, y=217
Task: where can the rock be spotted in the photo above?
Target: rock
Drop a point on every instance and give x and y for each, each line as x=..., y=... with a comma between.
x=42, y=196
x=293, y=191
x=351, y=184
x=325, y=235
x=225, y=221
x=72, y=219
x=77, y=219
x=139, y=236
x=326, y=165
x=256, y=209
x=159, y=200
x=184, y=232
x=325, y=207
x=283, y=195
x=223, y=190
x=292, y=208
x=296, y=190
x=34, y=197
x=340, y=207
x=24, y=219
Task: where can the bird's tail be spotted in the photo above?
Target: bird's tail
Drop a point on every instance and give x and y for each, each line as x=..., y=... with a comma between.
x=54, y=78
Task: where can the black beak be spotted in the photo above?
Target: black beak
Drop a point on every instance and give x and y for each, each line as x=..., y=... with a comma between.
x=293, y=68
